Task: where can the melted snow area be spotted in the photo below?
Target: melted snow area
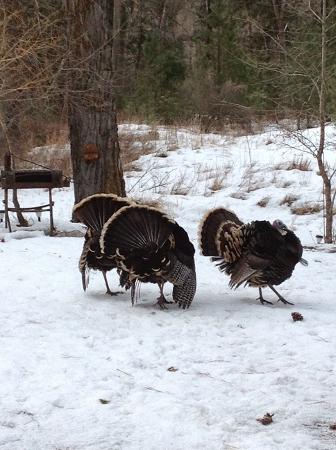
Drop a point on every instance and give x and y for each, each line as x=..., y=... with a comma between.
x=85, y=371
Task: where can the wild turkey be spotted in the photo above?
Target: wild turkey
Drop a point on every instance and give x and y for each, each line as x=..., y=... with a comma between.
x=149, y=247
x=94, y=211
x=258, y=254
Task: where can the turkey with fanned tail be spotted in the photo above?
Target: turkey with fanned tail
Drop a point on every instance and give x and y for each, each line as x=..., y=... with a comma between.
x=258, y=253
x=148, y=246
x=94, y=211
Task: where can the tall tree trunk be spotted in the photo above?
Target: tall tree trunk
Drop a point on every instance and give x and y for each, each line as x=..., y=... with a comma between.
x=94, y=143
x=278, y=9
x=5, y=144
x=328, y=204
x=116, y=35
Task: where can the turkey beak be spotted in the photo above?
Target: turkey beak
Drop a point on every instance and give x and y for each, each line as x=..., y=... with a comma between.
x=304, y=262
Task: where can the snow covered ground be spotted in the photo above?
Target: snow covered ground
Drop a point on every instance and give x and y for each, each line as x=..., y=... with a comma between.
x=85, y=371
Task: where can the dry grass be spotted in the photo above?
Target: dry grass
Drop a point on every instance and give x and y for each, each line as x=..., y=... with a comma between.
x=56, y=153
x=161, y=154
x=285, y=184
x=132, y=146
x=264, y=202
x=186, y=181
x=153, y=203
x=251, y=179
x=241, y=125
x=211, y=123
x=217, y=183
x=213, y=179
x=178, y=189
x=279, y=166
x=40, y=134
x=171, y=141
x=214, y=176
x=298, y=163
x=289, y=199
x=56, y=157
x=192, y=138
x=49, y=149
x=240, y=195
x=307, y=208
x=64, y=164
x=255, y=185
x=182, y=185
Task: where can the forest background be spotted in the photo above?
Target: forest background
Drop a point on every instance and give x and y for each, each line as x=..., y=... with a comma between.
x=214, y=63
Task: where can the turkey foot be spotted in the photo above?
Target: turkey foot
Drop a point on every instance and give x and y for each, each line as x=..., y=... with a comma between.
x=281, y=299
x=114, y=293
x=162, y=302
x=108, y=290
x=261, y=298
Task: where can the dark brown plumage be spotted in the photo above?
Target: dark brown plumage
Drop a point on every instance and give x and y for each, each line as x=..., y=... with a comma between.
x=150, y=247
x=94, y=211
x=258, y=254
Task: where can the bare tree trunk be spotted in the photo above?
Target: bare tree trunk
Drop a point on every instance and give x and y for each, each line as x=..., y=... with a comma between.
x=163, y=16
x=95, y=133
x=278, y=8
x=116, y=35
x=320, y=154
x=206, y=10
x=95, y=149
x=22, y=221
x=10, y=165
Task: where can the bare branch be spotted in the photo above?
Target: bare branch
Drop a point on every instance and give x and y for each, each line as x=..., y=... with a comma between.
x=314, y=13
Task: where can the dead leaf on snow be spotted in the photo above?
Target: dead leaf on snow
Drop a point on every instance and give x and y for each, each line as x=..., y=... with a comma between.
x=267, y=419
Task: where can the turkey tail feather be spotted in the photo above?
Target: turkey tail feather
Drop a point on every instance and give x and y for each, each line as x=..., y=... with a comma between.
x=210, y=227
x=151, y=247
x=135, y=228
x=83, y=266
x=184, y=280
x=85, y=279
x=95, y=210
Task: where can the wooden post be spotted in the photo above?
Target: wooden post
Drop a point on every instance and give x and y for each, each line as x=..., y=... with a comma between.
x=7, y=222
x=51, y=203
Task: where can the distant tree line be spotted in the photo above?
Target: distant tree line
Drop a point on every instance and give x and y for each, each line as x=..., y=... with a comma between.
x=229, y=59
x=215, y=61
x=212, y=62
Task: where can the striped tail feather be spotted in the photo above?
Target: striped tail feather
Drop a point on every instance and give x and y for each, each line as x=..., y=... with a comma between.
x=138, y=235
x=213, y=226
x=95, y=210
x=183, y=278
x=83, y=266
x=151, y=247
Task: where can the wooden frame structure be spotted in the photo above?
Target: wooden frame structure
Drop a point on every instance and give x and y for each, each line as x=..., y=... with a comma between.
x=31, y=179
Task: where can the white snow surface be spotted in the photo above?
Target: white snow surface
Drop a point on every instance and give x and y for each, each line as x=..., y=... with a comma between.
x=231, y=359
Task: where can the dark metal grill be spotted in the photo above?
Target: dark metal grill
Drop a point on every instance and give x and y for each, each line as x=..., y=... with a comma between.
x=32, y=179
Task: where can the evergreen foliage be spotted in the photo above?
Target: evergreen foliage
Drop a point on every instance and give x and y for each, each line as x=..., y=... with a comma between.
x=173, y=60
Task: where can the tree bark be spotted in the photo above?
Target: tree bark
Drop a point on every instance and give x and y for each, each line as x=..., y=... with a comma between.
x=94, y=143
x=328, y=204
x=278, y=8
x=116, y=35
